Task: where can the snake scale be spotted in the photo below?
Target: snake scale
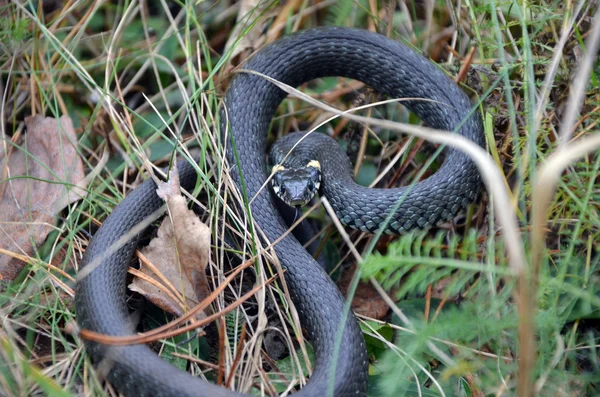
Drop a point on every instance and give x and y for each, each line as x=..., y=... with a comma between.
x=249, y=106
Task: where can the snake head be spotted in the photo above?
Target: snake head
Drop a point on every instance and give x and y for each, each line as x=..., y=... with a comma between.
x=297, y=186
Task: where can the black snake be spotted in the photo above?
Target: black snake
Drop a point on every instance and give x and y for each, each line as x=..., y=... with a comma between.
x=250, y=104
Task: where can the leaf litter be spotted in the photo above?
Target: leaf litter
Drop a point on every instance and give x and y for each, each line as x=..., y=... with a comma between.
x=173, y=264
x=39, y=178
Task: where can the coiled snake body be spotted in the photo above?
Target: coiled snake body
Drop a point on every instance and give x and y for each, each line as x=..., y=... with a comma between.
x=250, y=103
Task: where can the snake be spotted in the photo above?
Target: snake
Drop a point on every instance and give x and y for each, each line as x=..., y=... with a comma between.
x=250, y=103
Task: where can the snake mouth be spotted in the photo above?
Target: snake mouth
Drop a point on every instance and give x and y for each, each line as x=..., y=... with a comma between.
x=298, y=203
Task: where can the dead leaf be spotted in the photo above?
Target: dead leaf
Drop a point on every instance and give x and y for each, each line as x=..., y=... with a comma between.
x=37, y=181
x=439, y=288
x=177, y=257
x=366, y=300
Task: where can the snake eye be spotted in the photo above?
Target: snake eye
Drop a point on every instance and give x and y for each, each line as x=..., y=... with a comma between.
x=310, y=185
x=277, y=183
x=278, y=188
